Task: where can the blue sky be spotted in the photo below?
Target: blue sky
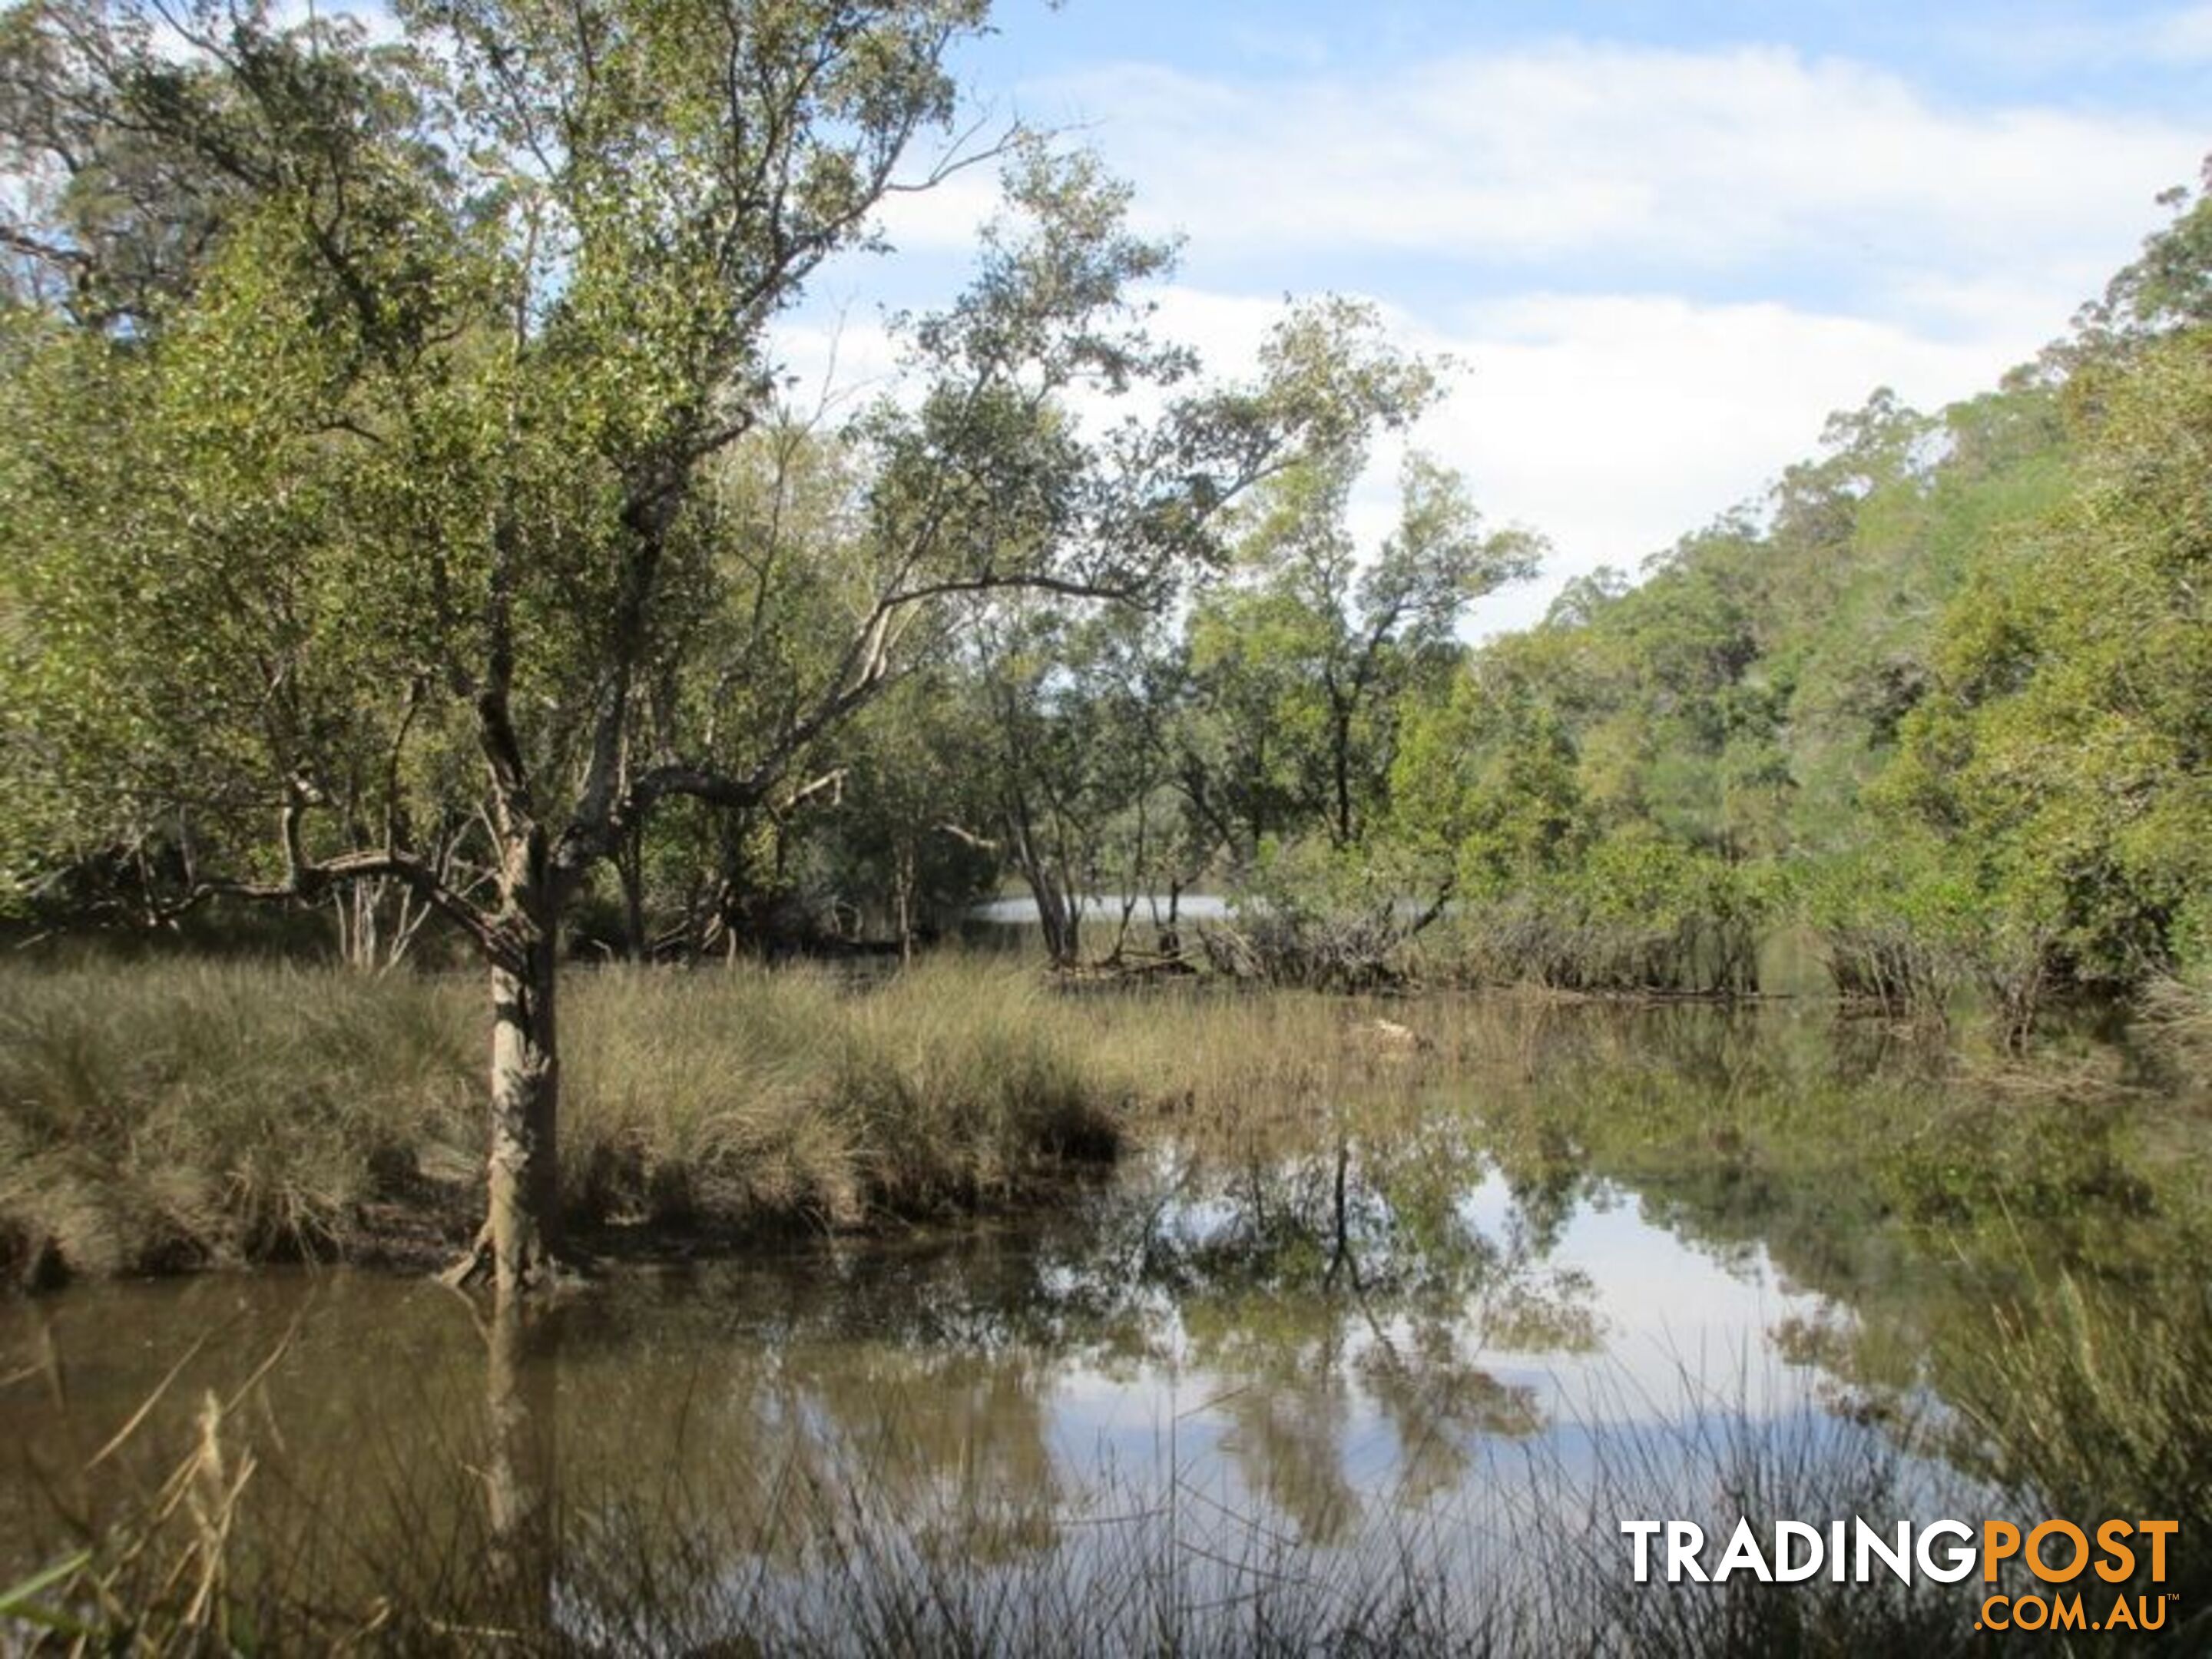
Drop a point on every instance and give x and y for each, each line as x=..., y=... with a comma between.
x=1663, y=241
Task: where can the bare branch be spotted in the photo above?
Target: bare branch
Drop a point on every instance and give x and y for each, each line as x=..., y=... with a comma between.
x=969, y=838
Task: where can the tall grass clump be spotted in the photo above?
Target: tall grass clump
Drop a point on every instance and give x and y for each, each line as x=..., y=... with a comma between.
x=721, y=1097
x=2099, y=1400
x=711, y=1098
x=166, y=1114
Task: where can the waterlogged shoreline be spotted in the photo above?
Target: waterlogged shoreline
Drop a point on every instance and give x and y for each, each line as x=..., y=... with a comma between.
x=1401, y=1366
x=957, y=1309
x=1155, y=1402
x=175, y=1116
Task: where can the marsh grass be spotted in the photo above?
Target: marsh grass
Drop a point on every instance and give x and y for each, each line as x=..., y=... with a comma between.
x=2098, y=1399
x=165, y=1115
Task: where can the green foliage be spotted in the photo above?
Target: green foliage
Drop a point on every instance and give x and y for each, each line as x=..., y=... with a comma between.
x=1488, y=777
x=1635, y=912
x=1307, y=656
x=1943, y=701
x=390, y=478
x=2064, y=757
x=401, y=492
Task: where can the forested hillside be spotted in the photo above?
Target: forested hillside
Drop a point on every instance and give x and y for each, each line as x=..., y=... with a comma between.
x=1943, y=697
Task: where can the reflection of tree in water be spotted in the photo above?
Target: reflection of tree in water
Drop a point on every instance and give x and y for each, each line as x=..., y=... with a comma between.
x=1315, y=1282
x=1341, y=1295
x=521, y=1465
x=951, y=1445
x=1327, y=1305
x=698, y=1473
x=2004, y=1250
x=780, y=1446
x=686, y=1440
x=912, y=1393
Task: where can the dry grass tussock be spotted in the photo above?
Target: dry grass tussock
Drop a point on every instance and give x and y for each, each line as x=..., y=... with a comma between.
x=165, y=1115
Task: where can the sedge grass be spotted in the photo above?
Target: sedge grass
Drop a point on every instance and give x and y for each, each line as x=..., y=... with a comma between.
x=168, y=1114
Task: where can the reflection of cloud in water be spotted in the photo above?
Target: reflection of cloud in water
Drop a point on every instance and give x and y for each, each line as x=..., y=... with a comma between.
x=1315, y=1409
x=1678, y=1326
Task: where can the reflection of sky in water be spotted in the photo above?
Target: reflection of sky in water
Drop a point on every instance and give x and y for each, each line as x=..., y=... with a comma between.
x=1679, y=1326
x=1682, y=1338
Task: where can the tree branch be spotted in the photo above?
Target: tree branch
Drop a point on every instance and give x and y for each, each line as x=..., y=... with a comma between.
x=306, y=882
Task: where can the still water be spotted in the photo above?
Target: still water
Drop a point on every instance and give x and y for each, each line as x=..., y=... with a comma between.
x=1591, y=1269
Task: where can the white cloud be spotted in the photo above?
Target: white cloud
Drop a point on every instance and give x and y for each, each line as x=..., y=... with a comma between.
x=1612, y=424
x=1706, y=159
x=1896, y=242
x=943, y=218
x=1663, y=268
x=1615, y=424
